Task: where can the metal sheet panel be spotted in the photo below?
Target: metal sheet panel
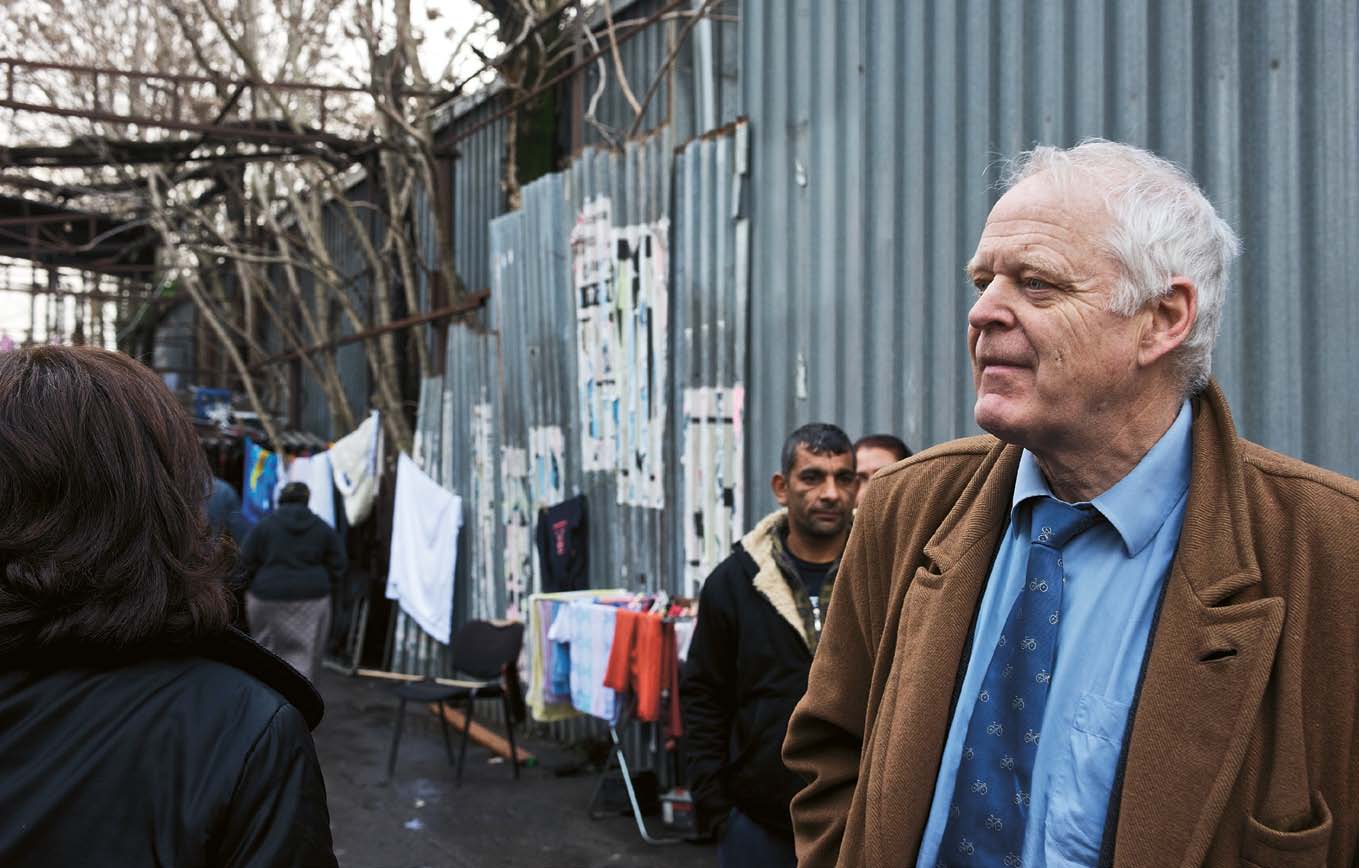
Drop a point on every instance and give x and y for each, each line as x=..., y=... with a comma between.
x=629, y=545
x=478, y=194
x=470, y=461
x=697, y=86
x=709, y=318
x=507, y=385
x=873, y=124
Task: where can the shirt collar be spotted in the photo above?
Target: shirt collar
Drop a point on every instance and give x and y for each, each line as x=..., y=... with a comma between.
x=1139, y=503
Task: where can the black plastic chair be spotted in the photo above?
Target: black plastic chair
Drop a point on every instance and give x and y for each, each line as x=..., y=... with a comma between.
x=487, y=652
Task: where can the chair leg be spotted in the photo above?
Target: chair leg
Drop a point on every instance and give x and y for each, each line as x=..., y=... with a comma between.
x=396, y=737
x=509, y=730
x=443, y=725
x=466, y=731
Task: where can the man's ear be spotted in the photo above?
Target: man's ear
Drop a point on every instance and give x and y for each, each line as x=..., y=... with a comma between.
x=779, y=485
x=1172, y=315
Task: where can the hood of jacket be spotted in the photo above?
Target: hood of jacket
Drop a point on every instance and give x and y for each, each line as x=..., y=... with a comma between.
x=295, y=518
x=776, y=577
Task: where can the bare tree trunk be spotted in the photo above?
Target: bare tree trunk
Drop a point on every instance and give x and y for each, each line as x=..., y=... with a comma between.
x=190, y=284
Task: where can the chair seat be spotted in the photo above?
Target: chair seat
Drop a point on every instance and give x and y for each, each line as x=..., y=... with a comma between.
x=485, y=654
x=429, y=691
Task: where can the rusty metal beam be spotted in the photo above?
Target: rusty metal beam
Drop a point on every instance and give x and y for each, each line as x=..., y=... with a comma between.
x=189, y=78
x=224, y=131
x=467, y=305
x=97, y=295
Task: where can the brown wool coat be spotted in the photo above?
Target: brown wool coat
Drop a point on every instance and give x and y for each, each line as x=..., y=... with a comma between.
x=1244, y=747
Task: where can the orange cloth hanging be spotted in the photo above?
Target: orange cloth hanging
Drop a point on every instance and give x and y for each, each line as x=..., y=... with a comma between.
x=643, y=660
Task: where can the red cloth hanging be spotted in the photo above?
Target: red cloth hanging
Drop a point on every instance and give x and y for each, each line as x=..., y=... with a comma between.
x=643, y=660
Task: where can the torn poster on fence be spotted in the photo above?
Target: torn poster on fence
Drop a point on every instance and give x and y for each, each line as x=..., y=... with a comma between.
x=547, y=468
x=483, y=513
x=592, y=268
x=714, y=479
x=517, y=516
x=620, y=281
x=641, y=309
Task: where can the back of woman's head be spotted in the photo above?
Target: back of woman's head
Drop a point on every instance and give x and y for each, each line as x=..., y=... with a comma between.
x=103, y=536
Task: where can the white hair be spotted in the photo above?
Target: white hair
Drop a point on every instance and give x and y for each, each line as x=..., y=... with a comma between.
x=1163, y=225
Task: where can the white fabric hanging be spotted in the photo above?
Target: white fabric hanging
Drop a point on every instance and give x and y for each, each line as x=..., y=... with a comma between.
x=316, y=472
x=425, y=524
x=355, y=463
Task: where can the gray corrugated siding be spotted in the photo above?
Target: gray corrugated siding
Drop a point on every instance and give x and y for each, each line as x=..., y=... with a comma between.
x=524, y=371
x=872, y=126
x=700, y=91
x=872, y=123
x=627, y=543
x=478, y=195
x=533, y=310
x=709, y=304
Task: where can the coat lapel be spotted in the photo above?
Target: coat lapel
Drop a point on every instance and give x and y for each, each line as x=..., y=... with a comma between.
x=769, y=581
x=1209, y=664
x=936, y=614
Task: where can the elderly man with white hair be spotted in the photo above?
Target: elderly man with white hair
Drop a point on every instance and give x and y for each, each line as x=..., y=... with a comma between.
x=1112, y=632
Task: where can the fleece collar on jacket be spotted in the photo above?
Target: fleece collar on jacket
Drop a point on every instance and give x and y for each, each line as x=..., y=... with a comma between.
x=777, y=581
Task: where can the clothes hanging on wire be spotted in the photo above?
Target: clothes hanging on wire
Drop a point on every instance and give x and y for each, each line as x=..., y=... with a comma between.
x=356, y=466
x=563, y=546
x=684, y=637
x=642, y=660
x=588, y=628
x=546, y=656
x=426, y=520
x=315, y=472
x=261, y=478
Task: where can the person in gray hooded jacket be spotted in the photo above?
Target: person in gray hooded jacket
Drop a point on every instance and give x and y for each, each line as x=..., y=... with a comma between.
x=291, y=560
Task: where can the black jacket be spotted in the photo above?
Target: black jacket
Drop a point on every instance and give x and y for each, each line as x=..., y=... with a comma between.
x=160, y=757
x=746, y=670
x=292, y=555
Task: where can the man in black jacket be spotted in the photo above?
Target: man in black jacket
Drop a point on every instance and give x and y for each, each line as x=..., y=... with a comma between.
x=759, y=618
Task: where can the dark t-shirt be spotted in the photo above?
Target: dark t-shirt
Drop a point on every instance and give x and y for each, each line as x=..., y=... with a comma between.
x=812, y=575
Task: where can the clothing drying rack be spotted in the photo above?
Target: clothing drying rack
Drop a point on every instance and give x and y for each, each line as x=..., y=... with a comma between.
x=617, y=762
x=618, y=756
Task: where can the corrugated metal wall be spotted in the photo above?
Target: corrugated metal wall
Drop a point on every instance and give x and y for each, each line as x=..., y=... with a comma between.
x=470, y=458
x=873, y=124
x=816, y=254
x=533, y=314
x=699, y=91
x=478, y=195
x=533, y=307
x=710, y=324
x=351, y=360
x=348, y=259
x=509, y=398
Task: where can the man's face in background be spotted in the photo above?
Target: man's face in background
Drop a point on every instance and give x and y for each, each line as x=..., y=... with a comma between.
x=869, y=460
x=819, y=492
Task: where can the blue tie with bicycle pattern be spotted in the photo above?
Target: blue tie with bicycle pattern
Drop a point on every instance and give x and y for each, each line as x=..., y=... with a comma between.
x=990, y=805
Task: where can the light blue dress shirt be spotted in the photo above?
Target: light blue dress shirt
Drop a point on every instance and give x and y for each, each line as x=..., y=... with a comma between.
x=1115, y=572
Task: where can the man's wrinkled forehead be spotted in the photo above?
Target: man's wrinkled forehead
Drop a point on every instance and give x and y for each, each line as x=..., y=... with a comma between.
x=1033, y=223
x=824, y=459
x=992, y=259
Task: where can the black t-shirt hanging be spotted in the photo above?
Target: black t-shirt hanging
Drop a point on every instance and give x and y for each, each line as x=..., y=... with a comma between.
x=563, y=546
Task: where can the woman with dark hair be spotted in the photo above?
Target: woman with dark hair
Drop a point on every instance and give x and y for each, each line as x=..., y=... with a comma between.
x=291, y=561
x=136, y=727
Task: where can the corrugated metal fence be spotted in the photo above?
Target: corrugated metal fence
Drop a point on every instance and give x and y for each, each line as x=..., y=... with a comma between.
x=873, y=124
x=508, y=426
x=812, y=257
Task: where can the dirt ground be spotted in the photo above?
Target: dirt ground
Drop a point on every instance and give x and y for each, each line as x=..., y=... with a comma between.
x=422, y=820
